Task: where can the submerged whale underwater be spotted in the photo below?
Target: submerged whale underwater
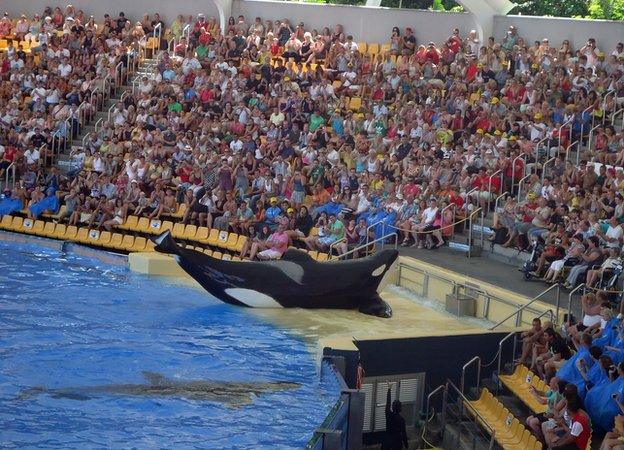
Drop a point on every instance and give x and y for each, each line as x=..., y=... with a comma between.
x=232, y=394
x=295, y=281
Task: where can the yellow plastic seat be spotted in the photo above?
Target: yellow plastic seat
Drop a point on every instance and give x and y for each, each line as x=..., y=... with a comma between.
x=208, y=252
x=190, y=231
x=202, y=234
x=178, y=230
x=373, y=48
x=37, y=228
x=48, y=229
x=217, y=255
x=59, y=231
x=82, y=236
x=313, y=254
x=238, y=245
x=180, y=211
x=115, y=241
x=139, y=244
x=385, y=48
x=94, y=237
x=362, y=47
x=322, y=257
x=104, y=239
x=213, y=237
x=70, y=233
x=6, y=222
x=355, y=103
x=226, y=257
x=149, y=246
x=231, y=241
x=165, y=225
x=16, y=224
x=155, y=226
x=127, y=243
x=143, y=225
x=236, y=258
x=223, y=238
x=131, y=223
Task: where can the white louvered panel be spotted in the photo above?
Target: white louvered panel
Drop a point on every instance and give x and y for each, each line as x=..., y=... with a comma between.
x=368, y=406
x=408, y=390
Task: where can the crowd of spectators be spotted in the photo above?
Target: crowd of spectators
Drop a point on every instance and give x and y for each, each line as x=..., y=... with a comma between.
x=273, y=129
x=273, y=123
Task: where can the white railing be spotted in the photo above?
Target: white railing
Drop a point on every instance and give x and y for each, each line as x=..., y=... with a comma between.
x=106, y=84
x=614, y=117
x=546, y=164
x=82, y=114
x=498, y=199
x=186, y=32
x=523, y=157
x=569, y=122
x=578, y=150
x=84, y=139
x=520, y=183
x=583, y=123
x=110, y=112
x=11, y=169
x=490, y=187
x=118, y=75
x=604, y=103
x=590, y=138
x=56, y=143
x=537, y=147
x=69, y=130
x=365, y=246
x=98, y=124
x=93, y=99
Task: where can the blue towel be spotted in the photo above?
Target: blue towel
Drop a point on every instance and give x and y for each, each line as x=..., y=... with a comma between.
x=600, y=405
x=50, y=203
x=568, y=372
x=596, y=375
x=10, y=205
x=609, y=334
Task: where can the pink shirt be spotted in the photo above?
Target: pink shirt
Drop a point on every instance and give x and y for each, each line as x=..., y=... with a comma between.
x=278, y=241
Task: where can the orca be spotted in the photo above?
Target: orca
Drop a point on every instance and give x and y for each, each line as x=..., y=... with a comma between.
x=295, y=281
x=231, y=393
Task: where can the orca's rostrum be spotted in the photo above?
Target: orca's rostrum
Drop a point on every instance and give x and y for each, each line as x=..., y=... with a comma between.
x=295, y=281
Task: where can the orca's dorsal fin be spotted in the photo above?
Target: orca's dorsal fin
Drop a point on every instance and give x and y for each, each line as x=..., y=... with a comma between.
x=153, y=377
x=296, y=256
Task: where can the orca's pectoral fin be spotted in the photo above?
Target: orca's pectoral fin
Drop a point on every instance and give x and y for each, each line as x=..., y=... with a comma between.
x=376, y=307
x=165, y=243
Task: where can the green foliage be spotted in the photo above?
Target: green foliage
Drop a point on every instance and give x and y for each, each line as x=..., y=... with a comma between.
x=561, y=8
x=606, y=9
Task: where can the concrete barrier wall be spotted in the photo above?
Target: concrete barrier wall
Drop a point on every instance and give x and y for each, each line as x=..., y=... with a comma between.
x=369, y=24
x=606, y=32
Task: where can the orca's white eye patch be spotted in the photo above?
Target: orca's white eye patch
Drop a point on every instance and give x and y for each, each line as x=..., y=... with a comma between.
x=378, y=271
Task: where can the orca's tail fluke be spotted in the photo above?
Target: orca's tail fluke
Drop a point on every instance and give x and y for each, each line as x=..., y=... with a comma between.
x=165, y=243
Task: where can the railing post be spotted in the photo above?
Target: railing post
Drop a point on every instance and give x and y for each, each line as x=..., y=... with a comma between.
x=579, y=287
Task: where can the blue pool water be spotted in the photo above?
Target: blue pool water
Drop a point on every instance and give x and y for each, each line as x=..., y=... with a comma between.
x=69, y=321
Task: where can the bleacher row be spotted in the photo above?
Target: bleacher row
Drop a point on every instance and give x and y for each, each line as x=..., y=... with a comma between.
x=217, y=243
x=508, y=431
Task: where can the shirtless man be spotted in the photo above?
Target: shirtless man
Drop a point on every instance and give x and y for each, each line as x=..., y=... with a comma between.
x=169, y=205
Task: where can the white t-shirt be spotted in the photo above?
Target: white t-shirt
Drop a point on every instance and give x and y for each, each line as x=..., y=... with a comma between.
x=429, y=215
x=614, y=232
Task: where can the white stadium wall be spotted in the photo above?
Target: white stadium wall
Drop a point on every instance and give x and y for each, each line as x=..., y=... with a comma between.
x=606, y=32
x=364, y=23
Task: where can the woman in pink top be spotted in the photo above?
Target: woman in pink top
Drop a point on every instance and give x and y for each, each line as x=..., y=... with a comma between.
x=274, y=247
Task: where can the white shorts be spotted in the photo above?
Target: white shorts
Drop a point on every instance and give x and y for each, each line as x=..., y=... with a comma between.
x=269, y=254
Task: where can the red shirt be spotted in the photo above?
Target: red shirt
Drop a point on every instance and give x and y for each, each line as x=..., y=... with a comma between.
x=582, y=439
x=9, y=153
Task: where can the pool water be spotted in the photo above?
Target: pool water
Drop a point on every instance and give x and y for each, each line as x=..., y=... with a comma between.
x=73, y=322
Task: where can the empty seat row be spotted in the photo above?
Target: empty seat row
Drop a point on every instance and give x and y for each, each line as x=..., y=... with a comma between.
x=507, y=430
x=520, y=384
x=80, y=235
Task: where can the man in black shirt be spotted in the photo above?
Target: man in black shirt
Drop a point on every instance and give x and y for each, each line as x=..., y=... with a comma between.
x=558, y=352
x=396, y=434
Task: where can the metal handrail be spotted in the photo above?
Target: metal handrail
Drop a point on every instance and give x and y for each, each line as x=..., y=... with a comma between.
x=520, y=183
x=551, y=160
x=604, y=103
x=466, y=403
x=186, y=32
x=81, y=114
x=470, y=218
x=94, y=92
x=110, y=111
x=98, y=123
x=84, y=140
x=513, y=169
x=171, y=44
x=370, y=227
x=504, y=194
x=333, y=245
x=591, y=137
x=578, y=288
x=463, y=375
x=567, y=152
x=569, y=121
x=614, y=116
x=70, y=132
x=440, y=388
x=12, y=167
x=118, y=73
x=490, y=186
x=537, y=147
x=500, y=353
x=518, y=312
x=42, y=147
x=356, y=249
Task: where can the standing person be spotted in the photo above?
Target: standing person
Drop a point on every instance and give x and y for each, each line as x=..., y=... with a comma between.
x=396, y=434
